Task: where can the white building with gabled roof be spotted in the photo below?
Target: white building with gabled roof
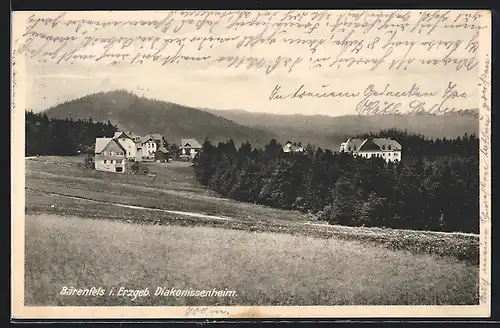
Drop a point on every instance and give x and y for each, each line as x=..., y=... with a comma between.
x=148, y=145
x=189, y=148
x=385, y=148
x=126, y=140
x=109, y=155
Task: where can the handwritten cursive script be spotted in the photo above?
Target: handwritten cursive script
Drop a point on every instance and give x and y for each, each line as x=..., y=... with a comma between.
x=371, y=39
x=205, y=310
x=485, y=180
x=302, y=92
x=368, y=62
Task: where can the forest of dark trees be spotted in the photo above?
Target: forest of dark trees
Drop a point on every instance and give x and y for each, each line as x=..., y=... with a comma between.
x=434, y=187
x=67, y=137
x=63, y=137
x=418, y=145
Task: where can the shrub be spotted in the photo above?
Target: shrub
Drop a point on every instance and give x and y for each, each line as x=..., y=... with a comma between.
x=88, y=162
x=138, y=168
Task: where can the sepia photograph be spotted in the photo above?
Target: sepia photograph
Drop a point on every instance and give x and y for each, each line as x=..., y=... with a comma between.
x=247, y=163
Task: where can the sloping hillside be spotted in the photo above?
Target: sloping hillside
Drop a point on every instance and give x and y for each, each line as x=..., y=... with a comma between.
x=328, y=131
x=174, y=121
x=142, y=115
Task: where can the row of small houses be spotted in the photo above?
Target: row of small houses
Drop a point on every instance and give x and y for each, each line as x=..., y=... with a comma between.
x=385, y=148
x=113, y=154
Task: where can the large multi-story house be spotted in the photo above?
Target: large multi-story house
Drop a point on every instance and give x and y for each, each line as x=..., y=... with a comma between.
x=385, y=148
x=189, y=148
x=126, y=140
x=131, y=147
x=148, y=145
x=109, y=155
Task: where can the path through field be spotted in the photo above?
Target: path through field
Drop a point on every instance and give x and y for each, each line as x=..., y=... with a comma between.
x=196, y=215
x=212, y=217
x=90, y=228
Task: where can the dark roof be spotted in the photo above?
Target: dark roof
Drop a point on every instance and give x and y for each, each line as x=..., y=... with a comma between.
x=153, y=136
x=369, y=145
x=379, y=144
x=384, y=143
x=192, y=143
x=119, y=133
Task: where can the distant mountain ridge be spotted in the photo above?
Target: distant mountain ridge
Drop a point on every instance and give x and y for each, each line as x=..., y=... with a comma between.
x=141, y=115
x=324, y=130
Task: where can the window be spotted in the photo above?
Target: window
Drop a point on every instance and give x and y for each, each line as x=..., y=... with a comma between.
x=389, y=147
x=119, y=169
x=111, y=153
x=129, y=153
x=104, y=152
x=349, y=148
x=118, y=161
x=383, y=147
x=111, y=161
x=354, y=148
x=105, y=161
x=395, y=154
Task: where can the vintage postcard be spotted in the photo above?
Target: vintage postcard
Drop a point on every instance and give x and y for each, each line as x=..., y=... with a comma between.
x=251, y=164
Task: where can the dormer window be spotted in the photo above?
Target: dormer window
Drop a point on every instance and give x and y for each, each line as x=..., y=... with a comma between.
x=383, y=147
x=389, y=147
x=349, y=148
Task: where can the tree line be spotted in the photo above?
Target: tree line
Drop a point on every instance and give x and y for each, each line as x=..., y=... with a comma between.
x=416, y=144
x=67, y=137
x=63, y=137
x=423, y=192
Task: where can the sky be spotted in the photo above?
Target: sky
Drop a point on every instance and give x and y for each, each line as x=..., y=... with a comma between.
x=48, y=84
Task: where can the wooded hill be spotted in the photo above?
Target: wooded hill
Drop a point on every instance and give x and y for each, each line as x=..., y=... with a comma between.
x=141, y=115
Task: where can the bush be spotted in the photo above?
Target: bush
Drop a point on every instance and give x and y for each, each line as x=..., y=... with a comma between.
x=138, y=168
x=88, y=162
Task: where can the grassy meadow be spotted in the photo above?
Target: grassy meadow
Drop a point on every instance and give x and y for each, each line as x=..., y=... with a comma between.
x=263, y=268
x=172, y=188
x=269, y=256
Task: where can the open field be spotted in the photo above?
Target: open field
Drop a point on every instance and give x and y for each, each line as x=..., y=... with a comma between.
x=78, y=233
x=263, y=268
x=174, y=188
